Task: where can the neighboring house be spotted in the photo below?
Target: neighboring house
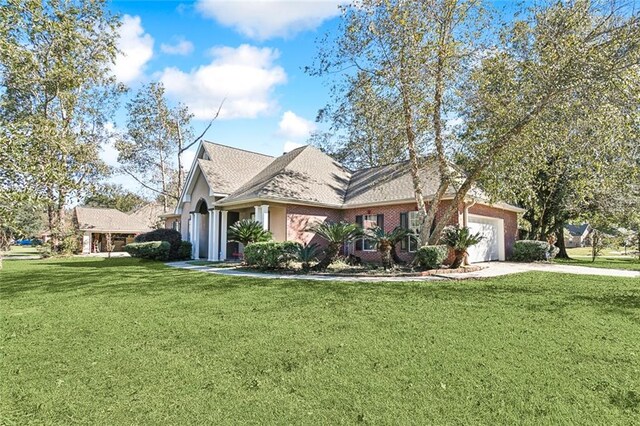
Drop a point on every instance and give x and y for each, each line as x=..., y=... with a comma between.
x=577, y=235
x=94, y=223
x=291, y=193
x=151, y=214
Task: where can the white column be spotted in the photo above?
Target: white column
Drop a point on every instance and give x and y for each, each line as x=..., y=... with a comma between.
x=265, y=216
x=86, y=243
x=258, y=213
x=223, y=236
x=195, y=228
x=214, y=232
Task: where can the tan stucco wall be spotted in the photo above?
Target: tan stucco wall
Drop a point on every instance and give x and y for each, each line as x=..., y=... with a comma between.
x=278, y=222
x=200, y=190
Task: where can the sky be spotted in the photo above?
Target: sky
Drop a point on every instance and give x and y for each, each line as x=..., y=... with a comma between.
x=250, y=53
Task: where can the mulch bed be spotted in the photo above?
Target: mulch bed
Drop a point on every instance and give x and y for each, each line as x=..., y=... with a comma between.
x=368, y=272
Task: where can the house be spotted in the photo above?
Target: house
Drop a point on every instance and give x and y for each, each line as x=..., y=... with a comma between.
x=95, y=224
x=291, y=193
x=577, y=235
x=151, y=214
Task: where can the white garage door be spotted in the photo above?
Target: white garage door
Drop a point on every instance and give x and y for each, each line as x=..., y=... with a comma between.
x=492, y=245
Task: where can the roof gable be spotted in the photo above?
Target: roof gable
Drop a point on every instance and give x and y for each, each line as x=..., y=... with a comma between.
x=108, y=220
x=304, y=174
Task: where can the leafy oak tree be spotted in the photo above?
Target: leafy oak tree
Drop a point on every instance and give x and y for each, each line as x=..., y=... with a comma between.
x=437, y=59
x=56, y=93
x=115, y=197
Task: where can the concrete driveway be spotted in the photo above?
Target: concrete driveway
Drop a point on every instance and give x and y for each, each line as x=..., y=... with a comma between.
x=496, y=269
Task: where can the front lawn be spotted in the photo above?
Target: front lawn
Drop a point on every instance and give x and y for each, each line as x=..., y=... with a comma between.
x=617, y=262
x=124, y=341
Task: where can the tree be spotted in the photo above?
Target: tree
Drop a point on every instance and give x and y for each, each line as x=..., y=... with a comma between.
x=336, y=234
x=115, y=197
x=247, y=231
x=437, y=59
x=386, y=241
x=459, y=240
x=149, y=152
x=57, y=92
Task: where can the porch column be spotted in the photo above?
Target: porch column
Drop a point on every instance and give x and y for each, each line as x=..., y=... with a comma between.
x=86, y=243
x=223, y=235
x=214, y=233
x=257, y=213
x=195, y=227
x=265, y=216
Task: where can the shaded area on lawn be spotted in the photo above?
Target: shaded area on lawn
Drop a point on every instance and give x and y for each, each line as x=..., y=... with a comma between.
x=131, y=341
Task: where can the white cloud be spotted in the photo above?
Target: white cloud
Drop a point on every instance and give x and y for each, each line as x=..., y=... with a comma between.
x=181, y=47
x=290, y=146
x=264, y=19
x=136, y=49
x=294, y=127
x=244, y=76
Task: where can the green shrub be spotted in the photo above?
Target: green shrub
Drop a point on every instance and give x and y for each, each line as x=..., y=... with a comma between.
x=533, y=251
x=185, y=250
x=156, y=250
x=431, y=257
x=270, y=254
x=171, y=236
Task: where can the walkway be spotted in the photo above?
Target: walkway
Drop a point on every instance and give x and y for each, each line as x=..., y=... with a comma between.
x=491, y=269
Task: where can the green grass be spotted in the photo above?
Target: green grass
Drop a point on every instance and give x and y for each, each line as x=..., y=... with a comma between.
x=123, y=341
x=618, y=262
x=586, y=251
x=19, y=251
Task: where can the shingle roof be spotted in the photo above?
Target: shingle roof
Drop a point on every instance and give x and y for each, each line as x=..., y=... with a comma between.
x=304, y=174
x=227, y=168
x=108, y=220
x=393, y=182
x=576, y=230
x=308, y=175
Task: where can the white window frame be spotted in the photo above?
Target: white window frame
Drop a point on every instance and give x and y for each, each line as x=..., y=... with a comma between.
x=412, y=217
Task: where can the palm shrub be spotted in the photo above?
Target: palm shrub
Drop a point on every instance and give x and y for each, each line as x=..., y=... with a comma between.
x=459, y=240
x=386, y=241
x=307, y=253
x=336, y=234
x=247, y=231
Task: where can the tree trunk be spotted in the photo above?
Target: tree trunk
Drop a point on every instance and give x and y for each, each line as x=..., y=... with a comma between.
x=330, y=256
x=562, y=254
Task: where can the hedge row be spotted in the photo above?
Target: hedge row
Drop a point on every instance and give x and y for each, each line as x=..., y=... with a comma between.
x=533, y=251
x=156, y=250
x=431, y=257
x=270, y=254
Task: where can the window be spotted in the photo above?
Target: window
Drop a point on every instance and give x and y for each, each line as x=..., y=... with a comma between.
x=413, y=224
x=368, y=221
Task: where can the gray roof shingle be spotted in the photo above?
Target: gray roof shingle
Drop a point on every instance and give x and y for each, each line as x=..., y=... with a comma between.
x=304, y=174
x=227, y=168
x=108, y=220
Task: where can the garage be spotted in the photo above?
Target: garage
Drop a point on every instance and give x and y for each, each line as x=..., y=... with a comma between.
x=492, y=245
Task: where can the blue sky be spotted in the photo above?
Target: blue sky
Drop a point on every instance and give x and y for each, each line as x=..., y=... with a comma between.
x=250, y=52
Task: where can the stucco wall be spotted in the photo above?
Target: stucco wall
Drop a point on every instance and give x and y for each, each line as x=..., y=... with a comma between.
x=510, y=223
x=278, y=222
x=200, y=190
x=301, y=218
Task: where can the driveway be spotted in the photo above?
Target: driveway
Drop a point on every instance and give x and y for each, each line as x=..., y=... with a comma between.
x=490, y=269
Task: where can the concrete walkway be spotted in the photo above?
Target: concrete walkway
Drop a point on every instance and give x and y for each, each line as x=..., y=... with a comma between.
x=490, y=269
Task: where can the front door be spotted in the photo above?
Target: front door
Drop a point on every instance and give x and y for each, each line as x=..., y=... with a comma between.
x=233, y=248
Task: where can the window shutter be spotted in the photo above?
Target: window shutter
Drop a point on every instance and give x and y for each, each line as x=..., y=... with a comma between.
x=404, y=224
x=359, y=240
x=380, y=221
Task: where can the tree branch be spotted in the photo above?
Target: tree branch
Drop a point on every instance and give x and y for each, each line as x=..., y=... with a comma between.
x=166, y=194
x=196, y=140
